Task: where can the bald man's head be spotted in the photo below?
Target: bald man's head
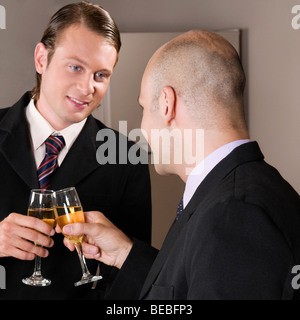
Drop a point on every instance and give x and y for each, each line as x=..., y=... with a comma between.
x=206, y=73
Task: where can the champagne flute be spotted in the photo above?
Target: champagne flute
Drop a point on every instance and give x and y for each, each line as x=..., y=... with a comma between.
x=40, y=206
x=68, y=210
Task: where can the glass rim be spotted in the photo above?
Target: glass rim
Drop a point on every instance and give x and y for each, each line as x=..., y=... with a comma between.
x=42, y=191
x=65, y=190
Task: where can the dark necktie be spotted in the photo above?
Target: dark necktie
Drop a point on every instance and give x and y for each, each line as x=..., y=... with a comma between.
x=179, y=209
x=54, y=144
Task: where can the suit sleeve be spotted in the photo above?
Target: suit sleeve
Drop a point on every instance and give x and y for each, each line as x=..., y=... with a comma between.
x=235, y=251
x=135, y=219
x=130, y=278
x=136, y=209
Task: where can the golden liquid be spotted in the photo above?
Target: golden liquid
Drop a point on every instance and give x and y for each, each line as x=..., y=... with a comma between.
x=46, y=215
x=67, y=215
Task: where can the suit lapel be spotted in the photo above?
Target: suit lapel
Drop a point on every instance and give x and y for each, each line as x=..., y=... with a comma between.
x=81, y=158
x=244, y=153
x=15, y=143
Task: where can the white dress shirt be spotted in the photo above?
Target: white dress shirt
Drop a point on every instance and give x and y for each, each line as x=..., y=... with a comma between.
x=205, y=167
x=40, y=130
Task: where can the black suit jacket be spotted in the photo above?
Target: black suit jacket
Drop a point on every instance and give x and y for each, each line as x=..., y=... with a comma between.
x=121, y=192
x=238, y=238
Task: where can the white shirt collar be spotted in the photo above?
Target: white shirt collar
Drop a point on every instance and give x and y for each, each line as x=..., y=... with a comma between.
x=40, y=128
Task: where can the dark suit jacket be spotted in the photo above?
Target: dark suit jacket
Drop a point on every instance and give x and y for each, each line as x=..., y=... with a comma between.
x=238, y=238
x=121, y=192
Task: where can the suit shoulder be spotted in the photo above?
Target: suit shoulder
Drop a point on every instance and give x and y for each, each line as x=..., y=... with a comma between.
x=121, y=137
x=3, y=119
x=101, y=126
x=16, y=110
x=257, y=184
x=262, y=181
x=3, y=112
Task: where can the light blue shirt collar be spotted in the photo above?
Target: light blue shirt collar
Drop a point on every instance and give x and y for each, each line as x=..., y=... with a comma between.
x=205, y=167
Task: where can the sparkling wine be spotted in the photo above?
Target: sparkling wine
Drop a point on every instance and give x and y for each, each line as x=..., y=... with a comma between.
x=67, y=215
x=45, y=214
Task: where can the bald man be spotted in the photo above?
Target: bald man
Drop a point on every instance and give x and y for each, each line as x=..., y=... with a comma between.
x=237, y=232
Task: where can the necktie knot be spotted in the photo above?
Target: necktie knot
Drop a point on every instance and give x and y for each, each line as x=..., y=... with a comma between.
x=54, y=144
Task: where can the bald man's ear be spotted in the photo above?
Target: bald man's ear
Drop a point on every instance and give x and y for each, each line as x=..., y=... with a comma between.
x=168, y=104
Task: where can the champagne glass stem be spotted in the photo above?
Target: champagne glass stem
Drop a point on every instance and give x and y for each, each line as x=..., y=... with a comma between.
x=86, y=276
x=85, y=271
x=37, y=267
x=37, y=279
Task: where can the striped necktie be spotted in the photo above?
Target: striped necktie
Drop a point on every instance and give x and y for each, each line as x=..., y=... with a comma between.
x=54, y=144
x=179, y=209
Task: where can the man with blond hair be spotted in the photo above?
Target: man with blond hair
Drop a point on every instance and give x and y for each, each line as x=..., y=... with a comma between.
x=74, y=63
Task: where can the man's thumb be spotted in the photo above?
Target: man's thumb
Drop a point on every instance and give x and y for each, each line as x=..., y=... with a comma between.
x=72, y=229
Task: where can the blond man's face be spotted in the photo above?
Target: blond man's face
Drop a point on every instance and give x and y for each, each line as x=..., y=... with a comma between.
x=77, y=78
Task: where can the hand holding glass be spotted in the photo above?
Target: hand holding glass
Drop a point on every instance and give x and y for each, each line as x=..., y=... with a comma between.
x=68, y=210
x=41, y=207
